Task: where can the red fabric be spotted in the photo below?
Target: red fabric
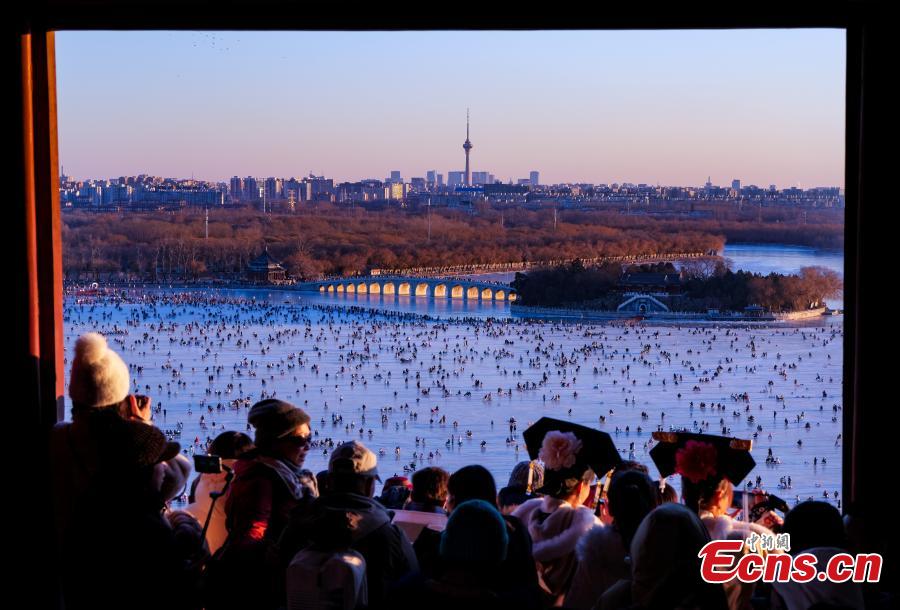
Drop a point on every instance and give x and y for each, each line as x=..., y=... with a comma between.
x=249, y=503
x=696, y=461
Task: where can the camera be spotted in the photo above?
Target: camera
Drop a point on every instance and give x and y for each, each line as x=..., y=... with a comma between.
x=208, y=464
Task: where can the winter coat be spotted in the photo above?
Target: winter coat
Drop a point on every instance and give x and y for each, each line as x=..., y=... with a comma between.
x=263, y=494
x=418, y=593
x=412, y=521
x=555, y=527
x=724, y=527
x=200, y=508
x=75, y=464
x=793, y=595
x=602, y=562
x=516, y=577
x=245, y=572
x=125, y=554
x=357, y=522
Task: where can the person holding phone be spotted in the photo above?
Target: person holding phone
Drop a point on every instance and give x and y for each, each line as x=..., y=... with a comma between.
x=269, y=482
x=226, y=448
x=99, y=384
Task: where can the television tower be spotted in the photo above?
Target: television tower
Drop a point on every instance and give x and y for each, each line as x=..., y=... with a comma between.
x=467, y=146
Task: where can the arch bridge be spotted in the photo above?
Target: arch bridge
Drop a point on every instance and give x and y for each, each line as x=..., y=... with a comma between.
x=420, y=287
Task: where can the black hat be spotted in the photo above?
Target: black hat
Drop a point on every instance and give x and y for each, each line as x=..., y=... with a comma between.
x=594, y=450
x=275, y=419
x=699, y=457
x=230, y=444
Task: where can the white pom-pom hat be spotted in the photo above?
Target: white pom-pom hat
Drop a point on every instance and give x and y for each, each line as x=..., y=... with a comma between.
x=99, y=376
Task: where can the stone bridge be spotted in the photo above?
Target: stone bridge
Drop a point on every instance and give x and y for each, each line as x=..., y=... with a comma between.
x=424, y=287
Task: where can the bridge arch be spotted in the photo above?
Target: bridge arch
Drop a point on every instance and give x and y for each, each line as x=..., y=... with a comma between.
x=374, y=288
x=388, y=288
x=512, y=296
x=456, y=292
x=422, y=289
x=321, y=287
x=403, y=289
x=472, y=293
x=362, y=288
x=500, y=295
x=440, y=290
x=340, y=288
x=351, y=288
x=487, y=294
x=330, y=287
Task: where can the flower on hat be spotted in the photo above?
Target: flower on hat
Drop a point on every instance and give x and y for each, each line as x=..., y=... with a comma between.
x=559, y=449
x=696, y=461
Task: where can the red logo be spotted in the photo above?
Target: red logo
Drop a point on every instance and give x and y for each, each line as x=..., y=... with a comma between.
x=723, y=561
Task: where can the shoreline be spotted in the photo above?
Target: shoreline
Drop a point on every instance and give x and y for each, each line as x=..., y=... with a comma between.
x=516, y=312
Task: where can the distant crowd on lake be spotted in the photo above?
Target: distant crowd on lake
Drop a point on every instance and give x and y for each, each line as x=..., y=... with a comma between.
x=575, y=526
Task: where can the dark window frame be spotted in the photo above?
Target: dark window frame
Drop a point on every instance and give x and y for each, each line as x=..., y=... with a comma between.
x=36, y=270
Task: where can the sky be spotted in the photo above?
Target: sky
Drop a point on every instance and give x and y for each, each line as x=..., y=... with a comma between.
x=667, y=107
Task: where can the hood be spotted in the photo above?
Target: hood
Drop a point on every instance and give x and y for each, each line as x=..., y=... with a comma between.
x=555, y=535
x=350, y=517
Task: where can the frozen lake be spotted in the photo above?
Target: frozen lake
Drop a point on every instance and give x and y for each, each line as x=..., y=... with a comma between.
x=422, y=392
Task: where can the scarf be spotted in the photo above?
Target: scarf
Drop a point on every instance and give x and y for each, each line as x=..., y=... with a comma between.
x=299, y=482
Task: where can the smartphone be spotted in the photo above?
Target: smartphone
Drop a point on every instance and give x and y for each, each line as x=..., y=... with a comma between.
x=208, y=464
x=759, y=504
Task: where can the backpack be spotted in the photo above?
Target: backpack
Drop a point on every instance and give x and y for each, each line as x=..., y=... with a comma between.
x=327, y=580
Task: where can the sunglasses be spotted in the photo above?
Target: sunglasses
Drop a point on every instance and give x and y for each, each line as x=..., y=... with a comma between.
x=299, y=441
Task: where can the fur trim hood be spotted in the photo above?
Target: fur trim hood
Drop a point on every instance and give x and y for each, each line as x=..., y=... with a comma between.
x=558, y=534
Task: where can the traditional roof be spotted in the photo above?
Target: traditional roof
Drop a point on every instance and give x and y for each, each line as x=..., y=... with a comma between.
x=264, y=262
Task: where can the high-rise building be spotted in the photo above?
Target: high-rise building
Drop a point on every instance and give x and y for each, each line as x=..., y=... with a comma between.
x=467, y=146
x=319, y=187
x=479, y=178
x=535, y=178
x=237, y=188
x=273, y=188
x=431, y=178
x=440, y=180
x=395, y=176
x=251, y=188
x=736, y=185
x=456, y=179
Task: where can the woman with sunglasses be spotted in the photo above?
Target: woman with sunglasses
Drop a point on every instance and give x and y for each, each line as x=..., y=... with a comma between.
x=269, y=483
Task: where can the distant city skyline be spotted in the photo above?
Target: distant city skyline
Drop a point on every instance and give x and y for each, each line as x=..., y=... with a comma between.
x=670, y=108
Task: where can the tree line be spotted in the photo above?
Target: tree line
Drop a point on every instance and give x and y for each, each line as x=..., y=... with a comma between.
x=705, y=285
x=332, y=240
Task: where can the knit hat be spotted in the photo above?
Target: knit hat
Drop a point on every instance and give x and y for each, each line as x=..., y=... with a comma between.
x=99, y=377
x=274, y=419
x=475, y=533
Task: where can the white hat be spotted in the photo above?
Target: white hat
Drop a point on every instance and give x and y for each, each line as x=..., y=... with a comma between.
x=99, y=377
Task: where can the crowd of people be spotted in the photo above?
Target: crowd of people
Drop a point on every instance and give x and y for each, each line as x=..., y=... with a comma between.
x=575, y=526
